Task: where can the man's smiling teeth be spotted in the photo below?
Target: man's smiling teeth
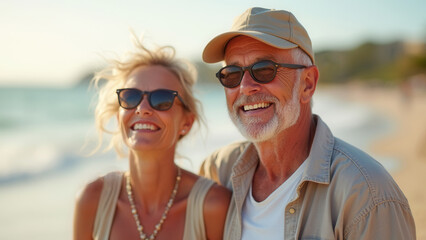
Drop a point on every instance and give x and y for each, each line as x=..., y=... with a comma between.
x=256, y=106
x=144, y=126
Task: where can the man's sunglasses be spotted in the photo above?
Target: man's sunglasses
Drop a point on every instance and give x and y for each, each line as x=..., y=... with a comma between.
x=161, y=99
x=262, y=72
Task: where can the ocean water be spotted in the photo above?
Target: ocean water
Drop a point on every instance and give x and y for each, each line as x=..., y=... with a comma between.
x=43, y=162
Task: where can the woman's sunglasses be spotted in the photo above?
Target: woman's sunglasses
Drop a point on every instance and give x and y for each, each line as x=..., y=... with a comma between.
x=262, y=72
x=161, y=99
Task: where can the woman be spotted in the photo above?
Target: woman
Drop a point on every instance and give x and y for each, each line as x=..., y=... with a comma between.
x=150, y=95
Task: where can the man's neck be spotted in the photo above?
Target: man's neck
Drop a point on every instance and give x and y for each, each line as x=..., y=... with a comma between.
x=281, y=156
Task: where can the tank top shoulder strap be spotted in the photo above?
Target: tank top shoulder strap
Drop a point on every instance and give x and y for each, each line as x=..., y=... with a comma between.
x=107, y=205
x=194, y=221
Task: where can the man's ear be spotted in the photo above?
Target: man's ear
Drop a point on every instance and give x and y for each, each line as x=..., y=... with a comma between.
x=309, y=81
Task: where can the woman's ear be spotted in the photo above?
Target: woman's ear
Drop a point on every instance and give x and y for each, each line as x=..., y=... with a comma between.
x=309, y=80
x=187, y=123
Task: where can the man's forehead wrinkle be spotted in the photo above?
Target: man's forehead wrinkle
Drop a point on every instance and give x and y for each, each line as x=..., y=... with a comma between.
x=255, y=60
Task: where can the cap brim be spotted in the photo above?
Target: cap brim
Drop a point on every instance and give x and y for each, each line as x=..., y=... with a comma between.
x=215, y=49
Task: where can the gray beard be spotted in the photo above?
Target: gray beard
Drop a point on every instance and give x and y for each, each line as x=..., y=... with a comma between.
x=284, y=117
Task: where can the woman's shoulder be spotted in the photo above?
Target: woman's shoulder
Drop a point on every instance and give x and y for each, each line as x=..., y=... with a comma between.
x=215, y=209
x=91, y=192
x=86, y=207
x=89, y=195
x=217, y=197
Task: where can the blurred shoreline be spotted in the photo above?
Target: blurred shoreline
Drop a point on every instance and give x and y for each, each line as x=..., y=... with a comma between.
x=385, y=122
x=407, y=142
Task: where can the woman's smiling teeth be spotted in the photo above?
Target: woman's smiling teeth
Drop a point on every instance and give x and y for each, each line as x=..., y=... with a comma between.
x=256, y=106
x=144, y=126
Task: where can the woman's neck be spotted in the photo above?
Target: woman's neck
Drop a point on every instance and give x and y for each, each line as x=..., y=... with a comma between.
x=152, y=179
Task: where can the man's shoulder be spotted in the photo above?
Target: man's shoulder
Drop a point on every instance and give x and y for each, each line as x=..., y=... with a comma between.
x=354, y=168
x=366, y=191
x=218, y=166
x=356, y=160
x=230, y=151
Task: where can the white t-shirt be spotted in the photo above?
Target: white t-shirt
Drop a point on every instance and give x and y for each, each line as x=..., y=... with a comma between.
x=265, y=220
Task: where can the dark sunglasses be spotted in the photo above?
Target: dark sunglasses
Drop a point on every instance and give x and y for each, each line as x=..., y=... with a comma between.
x=262, y=72
x=161, y=99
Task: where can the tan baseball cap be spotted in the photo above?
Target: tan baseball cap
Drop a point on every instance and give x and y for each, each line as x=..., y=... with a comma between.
x=277, y=28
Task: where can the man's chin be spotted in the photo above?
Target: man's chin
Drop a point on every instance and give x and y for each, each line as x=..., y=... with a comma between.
x=254, y=133
x=256, y=129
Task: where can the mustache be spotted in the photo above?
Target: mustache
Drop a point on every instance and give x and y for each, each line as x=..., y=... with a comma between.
x=256, y=98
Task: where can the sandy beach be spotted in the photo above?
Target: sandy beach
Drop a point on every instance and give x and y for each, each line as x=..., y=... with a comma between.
x=407, y=143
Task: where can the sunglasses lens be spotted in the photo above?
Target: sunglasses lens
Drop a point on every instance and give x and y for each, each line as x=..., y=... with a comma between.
x=230, y=76
x=264, y=71
x=130, y=98
x=161, y=99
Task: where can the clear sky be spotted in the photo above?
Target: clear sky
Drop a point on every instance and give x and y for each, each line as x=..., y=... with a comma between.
x=53, y=43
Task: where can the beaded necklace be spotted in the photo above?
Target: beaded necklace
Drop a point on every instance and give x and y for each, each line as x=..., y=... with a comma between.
x=157, y=228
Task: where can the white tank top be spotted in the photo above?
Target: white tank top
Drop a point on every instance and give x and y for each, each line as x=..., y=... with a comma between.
x=265, y=220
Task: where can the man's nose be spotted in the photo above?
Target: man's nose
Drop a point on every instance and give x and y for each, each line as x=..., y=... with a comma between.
x=248, y=85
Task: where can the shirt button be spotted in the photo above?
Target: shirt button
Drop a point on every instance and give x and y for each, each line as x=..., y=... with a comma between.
x=292, y=210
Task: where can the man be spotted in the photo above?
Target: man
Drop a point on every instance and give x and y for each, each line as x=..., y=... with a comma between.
x=292, y=179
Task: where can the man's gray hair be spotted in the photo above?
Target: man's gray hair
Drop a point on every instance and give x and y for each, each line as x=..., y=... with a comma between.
x=300, y=57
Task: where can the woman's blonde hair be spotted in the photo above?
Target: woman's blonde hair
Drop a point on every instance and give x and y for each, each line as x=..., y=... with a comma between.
x=115, y=76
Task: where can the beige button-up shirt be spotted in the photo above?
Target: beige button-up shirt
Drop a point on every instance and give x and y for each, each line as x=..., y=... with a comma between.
x=344, y=193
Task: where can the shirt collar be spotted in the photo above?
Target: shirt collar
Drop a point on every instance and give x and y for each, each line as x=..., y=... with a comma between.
x=319, y=159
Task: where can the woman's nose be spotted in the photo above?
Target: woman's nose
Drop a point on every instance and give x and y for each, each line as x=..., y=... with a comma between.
x=144, y=107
